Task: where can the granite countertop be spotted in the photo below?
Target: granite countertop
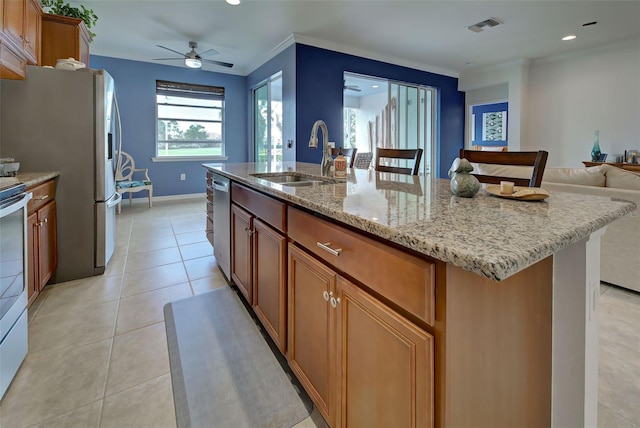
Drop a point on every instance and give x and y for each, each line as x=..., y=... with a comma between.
x=30, y=179
x=487, y=235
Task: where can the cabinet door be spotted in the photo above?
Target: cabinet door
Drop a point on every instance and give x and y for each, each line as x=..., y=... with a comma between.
x=385, y=364
x=241, y=230
x=269, y=281
x=32, y=22
x=310, y=348
x=32, y=254
x=48, y=255
x=13, y=20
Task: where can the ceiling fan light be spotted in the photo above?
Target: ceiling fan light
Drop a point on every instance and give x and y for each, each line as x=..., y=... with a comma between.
x=233, y=2
x=193, y=62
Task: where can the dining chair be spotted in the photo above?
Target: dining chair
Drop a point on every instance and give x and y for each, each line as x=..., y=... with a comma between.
x=382, y=156
x=490, y=148
x=537, y=160
x=350, y=153
x=126, y=167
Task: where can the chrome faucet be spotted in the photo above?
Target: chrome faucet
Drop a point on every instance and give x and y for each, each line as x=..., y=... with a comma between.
x=325, y=165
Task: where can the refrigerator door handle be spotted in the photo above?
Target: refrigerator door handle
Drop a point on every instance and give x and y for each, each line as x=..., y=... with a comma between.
x=115, y=103
x=114, y=200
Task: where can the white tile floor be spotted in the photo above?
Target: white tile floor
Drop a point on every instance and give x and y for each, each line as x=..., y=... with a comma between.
x=97, y=346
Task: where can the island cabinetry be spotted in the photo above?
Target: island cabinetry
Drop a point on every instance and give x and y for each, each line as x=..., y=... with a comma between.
x=42, y=237
x=362, y=360
x=64, y=37
x=258, y=266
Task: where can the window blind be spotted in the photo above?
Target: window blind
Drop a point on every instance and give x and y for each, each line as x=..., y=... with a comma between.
x=189, y=90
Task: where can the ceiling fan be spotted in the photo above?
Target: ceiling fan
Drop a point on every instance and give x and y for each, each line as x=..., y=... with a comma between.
x=350, y=87
x=194, y=59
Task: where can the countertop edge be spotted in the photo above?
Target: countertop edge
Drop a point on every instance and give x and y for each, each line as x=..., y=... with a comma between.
x=31, y=179
x=497, y=270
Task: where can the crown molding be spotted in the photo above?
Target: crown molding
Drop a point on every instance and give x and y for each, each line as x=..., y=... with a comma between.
x=272, y=53
x=306, y=40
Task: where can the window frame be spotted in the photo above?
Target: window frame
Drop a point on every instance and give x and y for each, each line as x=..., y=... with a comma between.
x=195, y=91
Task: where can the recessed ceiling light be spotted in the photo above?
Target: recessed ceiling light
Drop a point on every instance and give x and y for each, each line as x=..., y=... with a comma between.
x=375, y=86
x=233, y=2
x=569, y=37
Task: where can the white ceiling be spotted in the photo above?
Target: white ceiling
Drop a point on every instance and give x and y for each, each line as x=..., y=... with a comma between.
x=427, y=35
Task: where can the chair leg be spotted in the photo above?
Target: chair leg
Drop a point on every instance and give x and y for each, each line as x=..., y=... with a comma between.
x=150, y=204
x=130, y=198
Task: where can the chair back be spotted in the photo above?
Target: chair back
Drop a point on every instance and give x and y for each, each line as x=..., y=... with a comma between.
x=350, y=153
x=124, y=167
x=537, y=160
x=407, y=154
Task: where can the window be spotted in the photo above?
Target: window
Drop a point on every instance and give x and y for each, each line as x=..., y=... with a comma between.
x=190, y=120
x=267, y=120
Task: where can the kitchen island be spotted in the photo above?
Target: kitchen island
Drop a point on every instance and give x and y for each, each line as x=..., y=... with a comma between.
x=483, y=311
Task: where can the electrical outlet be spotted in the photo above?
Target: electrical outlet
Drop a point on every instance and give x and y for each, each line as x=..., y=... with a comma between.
x=183, y=176
x=332, y=144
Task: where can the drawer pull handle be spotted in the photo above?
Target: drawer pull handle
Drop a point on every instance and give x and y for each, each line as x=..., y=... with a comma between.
x=41, y=198
x=327, y=247
x=325, y=295
x=335, y=302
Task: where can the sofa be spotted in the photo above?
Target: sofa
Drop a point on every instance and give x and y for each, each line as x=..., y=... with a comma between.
x=620, y=246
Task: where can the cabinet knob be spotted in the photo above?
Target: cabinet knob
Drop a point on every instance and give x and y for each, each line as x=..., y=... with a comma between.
x=325, y=295
x=335, y=302
x=249, y=231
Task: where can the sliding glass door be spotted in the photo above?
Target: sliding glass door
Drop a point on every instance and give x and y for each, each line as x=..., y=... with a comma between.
x=383, y=113
x=267, y=121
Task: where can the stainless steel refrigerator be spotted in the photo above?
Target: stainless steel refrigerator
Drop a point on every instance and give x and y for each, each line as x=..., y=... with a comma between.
x=67, y=121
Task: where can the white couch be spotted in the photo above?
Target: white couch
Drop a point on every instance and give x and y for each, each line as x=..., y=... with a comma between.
x=620, y=248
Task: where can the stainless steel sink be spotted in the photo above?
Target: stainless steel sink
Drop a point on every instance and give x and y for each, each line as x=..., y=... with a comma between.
x=294, y=179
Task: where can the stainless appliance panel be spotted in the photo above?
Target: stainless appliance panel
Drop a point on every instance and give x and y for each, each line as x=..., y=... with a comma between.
x=222, y=223
x=49, y=123
x=106, y=221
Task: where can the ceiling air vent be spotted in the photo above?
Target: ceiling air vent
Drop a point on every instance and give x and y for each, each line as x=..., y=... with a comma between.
x=491, y=22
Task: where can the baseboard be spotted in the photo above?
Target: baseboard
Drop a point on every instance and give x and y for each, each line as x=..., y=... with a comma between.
x=145, y=200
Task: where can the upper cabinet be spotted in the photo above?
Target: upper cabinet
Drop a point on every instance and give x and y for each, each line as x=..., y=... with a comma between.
x=20, y=32
x=64, y=37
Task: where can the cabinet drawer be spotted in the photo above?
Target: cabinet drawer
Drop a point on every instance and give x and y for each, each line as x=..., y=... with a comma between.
x=42, y=194
x=404, y=279
x=262, y=206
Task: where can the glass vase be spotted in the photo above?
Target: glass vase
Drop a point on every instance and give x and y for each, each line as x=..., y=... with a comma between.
x=595, y=151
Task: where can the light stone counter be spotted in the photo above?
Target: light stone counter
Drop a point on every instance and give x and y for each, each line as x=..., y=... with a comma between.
x=487, y=235
x=34, y=178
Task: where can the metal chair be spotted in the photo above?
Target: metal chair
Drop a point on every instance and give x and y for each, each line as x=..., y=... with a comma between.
x=349, y=153
x=126, y=167
x=406, y=154
x=537, y=160
x=362, y=160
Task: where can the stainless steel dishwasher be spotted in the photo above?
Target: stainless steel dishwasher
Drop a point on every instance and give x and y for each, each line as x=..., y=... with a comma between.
x=222, y=223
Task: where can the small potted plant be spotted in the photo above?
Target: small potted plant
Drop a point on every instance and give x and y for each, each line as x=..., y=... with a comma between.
x=59, y=7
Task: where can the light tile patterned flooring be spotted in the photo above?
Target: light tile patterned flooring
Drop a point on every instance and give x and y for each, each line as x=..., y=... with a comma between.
x=98, y=351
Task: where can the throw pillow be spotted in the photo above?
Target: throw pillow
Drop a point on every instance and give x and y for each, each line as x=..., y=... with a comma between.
x=591, y=176
x=622, y=179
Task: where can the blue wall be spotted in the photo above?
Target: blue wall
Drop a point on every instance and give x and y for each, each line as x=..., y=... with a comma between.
x=319, y=95
x=136, y=92
x=285, y=61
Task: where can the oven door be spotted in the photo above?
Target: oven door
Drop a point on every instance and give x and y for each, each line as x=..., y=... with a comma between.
x=13, y=260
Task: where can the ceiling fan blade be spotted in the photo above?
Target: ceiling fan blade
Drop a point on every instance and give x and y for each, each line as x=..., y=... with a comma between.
x=213, y=52
x=223, y=64
x=166, y=59
x=164, y=47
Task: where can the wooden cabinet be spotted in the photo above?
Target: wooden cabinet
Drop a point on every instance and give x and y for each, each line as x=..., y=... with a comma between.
x=362, y=363
x=385, y=369
x=241, y=250
x=32, y=30
x=64, y=37
x=20, y=25
x=310, y=348
x=258, y=262
x=42, y=237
